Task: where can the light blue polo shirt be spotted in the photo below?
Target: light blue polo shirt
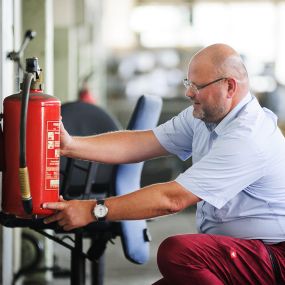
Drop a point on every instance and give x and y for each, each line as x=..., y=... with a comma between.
x=238, y=170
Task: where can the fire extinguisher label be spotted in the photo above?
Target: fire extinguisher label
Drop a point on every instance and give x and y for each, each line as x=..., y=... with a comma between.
x=53, y=153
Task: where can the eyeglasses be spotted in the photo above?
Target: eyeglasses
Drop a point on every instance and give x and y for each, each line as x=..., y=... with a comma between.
x=195, y=88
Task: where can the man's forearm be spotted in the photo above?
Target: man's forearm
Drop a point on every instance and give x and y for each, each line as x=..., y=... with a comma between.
x=115, y=147
x=151, y=201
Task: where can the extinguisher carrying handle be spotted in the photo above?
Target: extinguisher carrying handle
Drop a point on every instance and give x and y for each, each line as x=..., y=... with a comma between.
x=23, y=170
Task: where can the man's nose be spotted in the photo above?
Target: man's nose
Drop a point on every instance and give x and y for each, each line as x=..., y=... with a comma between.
x=189, y=93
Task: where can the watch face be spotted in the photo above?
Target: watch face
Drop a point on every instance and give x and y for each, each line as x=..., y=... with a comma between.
x=100, y=211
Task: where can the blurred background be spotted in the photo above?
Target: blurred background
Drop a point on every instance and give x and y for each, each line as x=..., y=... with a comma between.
x=110, y=52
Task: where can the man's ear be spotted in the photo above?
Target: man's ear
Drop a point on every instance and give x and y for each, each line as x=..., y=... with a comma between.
x=232, y=86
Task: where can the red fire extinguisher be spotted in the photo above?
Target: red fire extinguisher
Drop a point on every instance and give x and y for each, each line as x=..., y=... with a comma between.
x=31, y=126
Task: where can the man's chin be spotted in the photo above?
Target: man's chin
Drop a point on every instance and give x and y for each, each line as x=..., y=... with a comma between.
x=198, y=115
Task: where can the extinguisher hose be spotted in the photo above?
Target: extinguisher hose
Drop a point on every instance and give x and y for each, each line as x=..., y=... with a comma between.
x=23, y=170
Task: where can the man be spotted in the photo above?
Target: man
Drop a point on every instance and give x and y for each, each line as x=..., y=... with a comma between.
x=237, y=179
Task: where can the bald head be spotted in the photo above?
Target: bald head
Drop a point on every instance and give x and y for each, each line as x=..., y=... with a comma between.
x=220, y=60
x=219, y=82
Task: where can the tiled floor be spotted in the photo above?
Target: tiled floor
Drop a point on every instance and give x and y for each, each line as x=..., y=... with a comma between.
x=118, y=270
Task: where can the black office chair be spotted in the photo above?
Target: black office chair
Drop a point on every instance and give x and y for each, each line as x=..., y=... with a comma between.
x=78, y=177
x=125, y=179
x=89, y=180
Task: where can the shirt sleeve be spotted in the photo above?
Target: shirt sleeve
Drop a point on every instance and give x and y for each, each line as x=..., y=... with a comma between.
x=176, y=135
x=230, y=166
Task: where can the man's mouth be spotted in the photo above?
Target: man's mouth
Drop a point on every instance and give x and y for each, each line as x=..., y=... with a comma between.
x=195, y=103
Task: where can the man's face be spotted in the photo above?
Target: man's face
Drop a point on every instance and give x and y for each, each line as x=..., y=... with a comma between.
x=210, y=103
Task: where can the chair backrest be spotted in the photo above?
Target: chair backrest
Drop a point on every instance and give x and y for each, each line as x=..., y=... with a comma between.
x=83, y=119
x=134, y=234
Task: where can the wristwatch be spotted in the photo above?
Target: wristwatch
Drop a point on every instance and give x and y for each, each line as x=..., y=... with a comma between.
x=100, y=211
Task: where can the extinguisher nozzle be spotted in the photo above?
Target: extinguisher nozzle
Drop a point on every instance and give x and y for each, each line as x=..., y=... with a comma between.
x=28, y=206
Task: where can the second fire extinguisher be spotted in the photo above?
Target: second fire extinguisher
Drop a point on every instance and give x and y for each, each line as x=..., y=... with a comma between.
x=31, y=129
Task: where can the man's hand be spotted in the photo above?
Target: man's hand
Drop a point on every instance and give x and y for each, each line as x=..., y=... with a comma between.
x=71, y=214
x=65, y=138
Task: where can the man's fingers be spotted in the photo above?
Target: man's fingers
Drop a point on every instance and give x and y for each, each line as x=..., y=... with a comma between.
x=59, y=206
x=67, y=213
x=68, y=228
x=55, y=206
x=65, y=225
x=62, y=223
x=53, y=218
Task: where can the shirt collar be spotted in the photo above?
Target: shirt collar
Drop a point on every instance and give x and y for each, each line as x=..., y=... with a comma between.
x=231, y=115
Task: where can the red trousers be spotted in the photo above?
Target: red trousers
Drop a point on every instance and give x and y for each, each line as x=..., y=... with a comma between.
x=202, y=259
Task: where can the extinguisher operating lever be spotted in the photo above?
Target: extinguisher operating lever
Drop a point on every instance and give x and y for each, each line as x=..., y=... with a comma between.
x=23, y=170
